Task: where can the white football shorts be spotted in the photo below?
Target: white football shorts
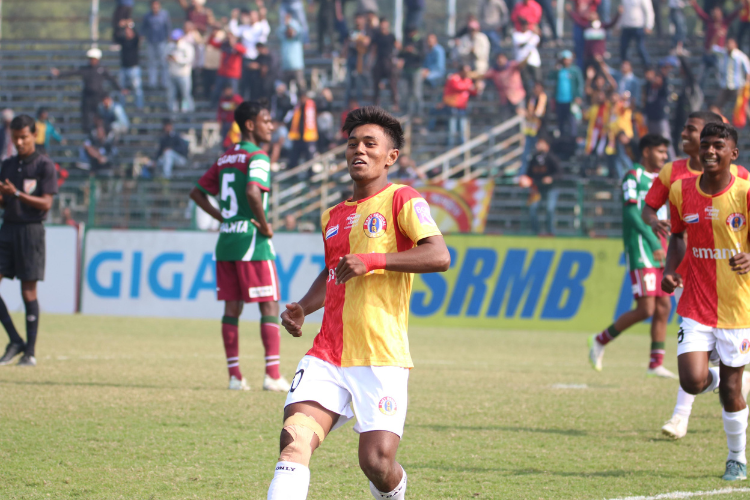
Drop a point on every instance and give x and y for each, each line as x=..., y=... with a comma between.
x=375, y=395
x=732, y=345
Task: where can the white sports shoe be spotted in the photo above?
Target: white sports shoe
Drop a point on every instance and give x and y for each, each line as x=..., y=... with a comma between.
x=275, y=384
x=596, y=353
x=675, y=427
x=660, y=371
x=745, y=384
x=236, y=384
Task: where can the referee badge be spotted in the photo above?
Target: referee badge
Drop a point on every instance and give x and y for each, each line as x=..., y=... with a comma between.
x=375, y=225
x=29, y=185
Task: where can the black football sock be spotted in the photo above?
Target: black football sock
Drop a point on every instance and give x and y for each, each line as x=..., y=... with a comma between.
x=7, y=322
x=32, y=325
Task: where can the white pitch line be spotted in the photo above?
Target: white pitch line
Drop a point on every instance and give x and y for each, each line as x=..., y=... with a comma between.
x=689, y=494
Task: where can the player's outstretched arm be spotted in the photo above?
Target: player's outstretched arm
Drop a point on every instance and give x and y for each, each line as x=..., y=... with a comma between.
x=429, y=256
x=201, y=199
x=660, y=227
x=675, y=254
x=294, y=317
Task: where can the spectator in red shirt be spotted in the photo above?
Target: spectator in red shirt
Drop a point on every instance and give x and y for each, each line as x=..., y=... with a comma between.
x=506, y=75
x=227, y=104
x=458, y=88
x=230, y=69
x=717, y=27
x=582, y=8
x=529, y=10
x=594, y=33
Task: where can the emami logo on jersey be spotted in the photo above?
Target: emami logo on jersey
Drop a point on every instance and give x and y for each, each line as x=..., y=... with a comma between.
x=714, y=253
x=332, y=231
x=691, y=218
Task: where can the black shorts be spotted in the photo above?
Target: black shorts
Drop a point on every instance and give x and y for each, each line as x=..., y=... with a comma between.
x=22, y=251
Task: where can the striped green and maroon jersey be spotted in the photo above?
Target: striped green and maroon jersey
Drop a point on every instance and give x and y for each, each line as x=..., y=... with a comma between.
x=227, y=179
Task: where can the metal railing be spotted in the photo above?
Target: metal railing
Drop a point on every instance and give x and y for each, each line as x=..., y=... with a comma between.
x=497, y=150
x=317, y=183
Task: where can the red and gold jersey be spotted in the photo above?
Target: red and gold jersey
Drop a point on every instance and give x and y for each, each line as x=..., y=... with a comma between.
x=365, y=319
x=672, y=172
x=716, y=227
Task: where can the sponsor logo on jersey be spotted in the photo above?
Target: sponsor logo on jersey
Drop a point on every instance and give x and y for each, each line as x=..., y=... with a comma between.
x=260, y=291
x=691, y=218
x=387, y=406
x=423, y=212
x=239, y=226
x=745, y=346
x=29, y=185
x=375, y=225
x=736, y=222
x=332, y=231
x=712, y=213
x=238, y=158
x=352, y=221
x=714, y=253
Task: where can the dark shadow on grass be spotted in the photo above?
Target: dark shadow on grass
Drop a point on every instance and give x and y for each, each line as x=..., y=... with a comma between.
x=100, y=384
x=440, y=428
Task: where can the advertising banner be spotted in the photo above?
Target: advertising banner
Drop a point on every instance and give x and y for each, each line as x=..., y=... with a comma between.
x=173, y=274
x=563, y=284
x=458, y=206
x=58, y=292
x=559, y=284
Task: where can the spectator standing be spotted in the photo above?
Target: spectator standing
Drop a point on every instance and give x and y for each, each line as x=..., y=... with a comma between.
x=156, y=29
x=303, y=131
x=629, y=84
x=251, y=32
x=527, y=10
x=536, y=113
x=325, y=20
x=637, y=22
x=433, y=69
x=123, y=10
x=656, y=107
x=325, y=122
x=200, y=16
x=230, y=68
x=525, y=45
x=506, y=75
x=356, y=47
x=45, y=131
x=677, y=17
x=594, y=33
x=734, y=72
x=114, y=118
x=583, y=9
x=384, y=45
x=689, y=100
x=598, y=120
x=195, y=38
x=717, y=28
x=181, y=57
x=93, y=77
x=281, y=111
x=544, y=172
x=7, y=149
x=269, y=72
x=744, y=28
x=619, y=135
x=569, y=86
x=414, y=14
x=173, y=150
x=297, y=10
x=474, y=47
x=292, y=54
x=411, y=56
x=211, y=62
x=130, y=71
x=459, y=87
x=493, y=17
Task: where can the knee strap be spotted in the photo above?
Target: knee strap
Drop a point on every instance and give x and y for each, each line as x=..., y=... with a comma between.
x=301, y=428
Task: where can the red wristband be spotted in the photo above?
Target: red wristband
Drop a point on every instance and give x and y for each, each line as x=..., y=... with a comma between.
x=372, y=261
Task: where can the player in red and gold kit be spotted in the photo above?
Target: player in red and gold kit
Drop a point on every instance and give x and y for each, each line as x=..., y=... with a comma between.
x=360, y=360
x=712, y=266
x=656, y=215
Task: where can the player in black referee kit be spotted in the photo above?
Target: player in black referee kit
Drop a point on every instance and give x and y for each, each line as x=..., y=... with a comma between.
x=27, y=183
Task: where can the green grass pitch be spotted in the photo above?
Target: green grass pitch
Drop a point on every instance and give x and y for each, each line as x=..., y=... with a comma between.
x=138, y=409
